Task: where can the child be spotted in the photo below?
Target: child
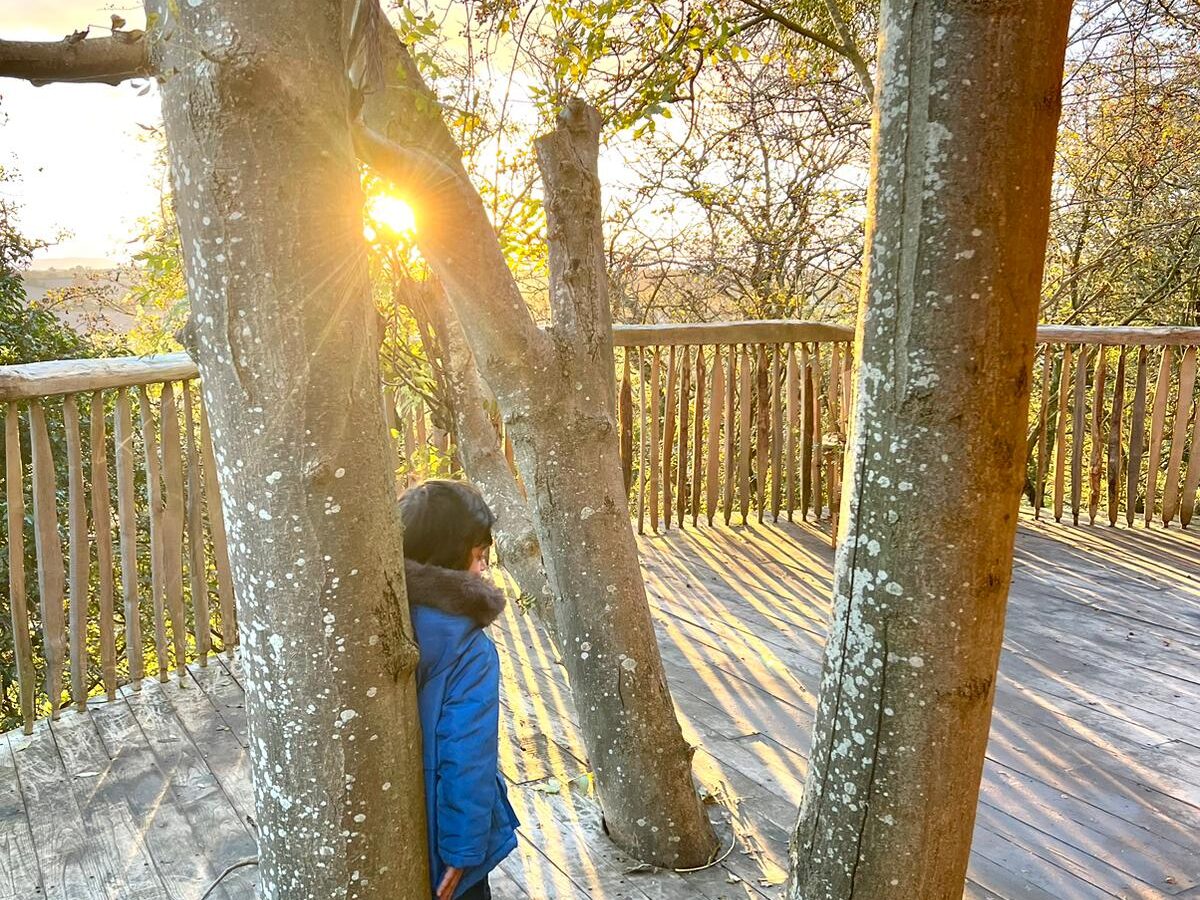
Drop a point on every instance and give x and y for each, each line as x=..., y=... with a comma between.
x=447, y=540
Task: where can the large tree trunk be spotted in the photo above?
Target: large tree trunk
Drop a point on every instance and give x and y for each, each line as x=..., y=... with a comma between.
x=966, y=115
x=255, y=101
x=555, y=390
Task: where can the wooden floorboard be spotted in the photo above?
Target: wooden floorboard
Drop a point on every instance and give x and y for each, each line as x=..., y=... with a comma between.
x=1091, y=787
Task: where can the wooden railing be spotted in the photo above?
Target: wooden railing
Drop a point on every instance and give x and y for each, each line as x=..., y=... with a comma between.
x=727, y=421
x=71, y=447
x=732, y=419
x=1115, y=425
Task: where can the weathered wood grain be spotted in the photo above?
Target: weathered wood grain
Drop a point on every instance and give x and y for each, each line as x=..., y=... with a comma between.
x=127, y=530
x=1137, y=437
x=1187, y=384
x=14, y=484
x=1060, y=437
x=48, y=542
x=102, y=526
x=1162, y=391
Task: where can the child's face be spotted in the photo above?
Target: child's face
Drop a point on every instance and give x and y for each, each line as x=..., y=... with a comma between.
x=480, y=560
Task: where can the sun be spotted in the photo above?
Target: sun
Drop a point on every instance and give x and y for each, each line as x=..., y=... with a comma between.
x=391, y=215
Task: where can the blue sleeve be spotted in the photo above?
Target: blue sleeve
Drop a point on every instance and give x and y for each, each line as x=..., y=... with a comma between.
x=467, y=738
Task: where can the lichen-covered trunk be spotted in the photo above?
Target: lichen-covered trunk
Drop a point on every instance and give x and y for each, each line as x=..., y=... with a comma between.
x=266, y=185
x=966, y=113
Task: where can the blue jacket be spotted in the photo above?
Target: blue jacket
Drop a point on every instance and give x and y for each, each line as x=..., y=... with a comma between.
x=471, y=824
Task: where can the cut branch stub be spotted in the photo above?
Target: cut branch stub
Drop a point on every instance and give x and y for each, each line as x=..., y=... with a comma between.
x=568, y=158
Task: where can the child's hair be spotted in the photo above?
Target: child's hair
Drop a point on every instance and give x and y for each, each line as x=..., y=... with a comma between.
x=443, y=522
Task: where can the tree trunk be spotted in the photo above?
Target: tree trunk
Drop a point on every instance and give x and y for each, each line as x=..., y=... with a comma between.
x=481, y=452
x=270, y=214
x=555, y=389
x=965, y=126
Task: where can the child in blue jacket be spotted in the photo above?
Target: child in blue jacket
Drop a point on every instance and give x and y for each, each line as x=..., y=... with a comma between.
x=472, y=827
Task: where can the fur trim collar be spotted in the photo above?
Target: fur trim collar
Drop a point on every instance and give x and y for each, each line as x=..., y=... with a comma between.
x=453, y=591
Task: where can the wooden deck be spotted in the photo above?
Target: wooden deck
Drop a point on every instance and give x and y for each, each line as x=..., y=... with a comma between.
x=1092, y=785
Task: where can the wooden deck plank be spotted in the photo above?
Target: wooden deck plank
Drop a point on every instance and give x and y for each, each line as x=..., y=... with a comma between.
x=179, y=853
x=72, y=861
x=227, y=758
x=100, y=793
x=20, y=876
x=222, y=836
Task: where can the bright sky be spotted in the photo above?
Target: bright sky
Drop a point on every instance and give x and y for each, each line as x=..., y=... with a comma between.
x=77, y=149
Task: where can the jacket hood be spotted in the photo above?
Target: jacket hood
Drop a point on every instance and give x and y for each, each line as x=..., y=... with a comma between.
x=453, y=591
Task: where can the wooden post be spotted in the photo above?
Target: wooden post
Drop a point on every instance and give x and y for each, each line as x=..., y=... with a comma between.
x=1116, y=423
x=17, y=605
x=127, y=522
x=197, y=560
x=716, y=405
x=668, y=442
x=641, y=497
x=655, y=462
x=102, y=524
x=806, y=432
x=1077, y=436
x=1060, y=440
x=216, y=531
x=1137, y=437
x=1188, y=505
x=154, y=502
x=681, y=472
x=762, y=429
x=48, y=541
x=746, y=399
x=817, y=438
x=793, y=423
x=1039, y=486
x=776, y=430
x=1096, y=469
x=731, y=390
x=1162, y=392
x=80, y=557
x=172, y=526
x=698, y=435
x=626, y=422
x=1187, y=385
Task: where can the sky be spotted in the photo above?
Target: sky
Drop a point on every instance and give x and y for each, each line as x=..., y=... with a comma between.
x=83, y=164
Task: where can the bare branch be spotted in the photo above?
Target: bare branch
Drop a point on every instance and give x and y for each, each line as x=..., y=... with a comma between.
x=77, y=59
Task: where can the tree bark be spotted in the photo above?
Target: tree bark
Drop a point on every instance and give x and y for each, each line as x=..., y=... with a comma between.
x=483, y=456
x=555, y=390
x=270, y=217
x=964, y=140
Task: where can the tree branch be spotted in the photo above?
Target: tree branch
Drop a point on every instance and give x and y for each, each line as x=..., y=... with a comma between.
x=454, y=233
x=77, y=59
x=844, y=47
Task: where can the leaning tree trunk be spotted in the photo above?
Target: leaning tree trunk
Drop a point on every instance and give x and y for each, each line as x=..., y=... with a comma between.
x=555, y=390
x=486, y=465
x=255, y=101
x=966, y=115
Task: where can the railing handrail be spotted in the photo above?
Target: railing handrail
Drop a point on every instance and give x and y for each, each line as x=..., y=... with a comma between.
x=1116, y=336
x=758, y=331
x=72, y=376
x=76, y=376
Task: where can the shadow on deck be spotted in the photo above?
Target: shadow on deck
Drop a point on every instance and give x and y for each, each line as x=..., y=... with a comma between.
x=1091, y=789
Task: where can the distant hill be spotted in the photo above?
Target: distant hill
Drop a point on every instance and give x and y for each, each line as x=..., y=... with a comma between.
x=72, y=262
x=88, y=298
